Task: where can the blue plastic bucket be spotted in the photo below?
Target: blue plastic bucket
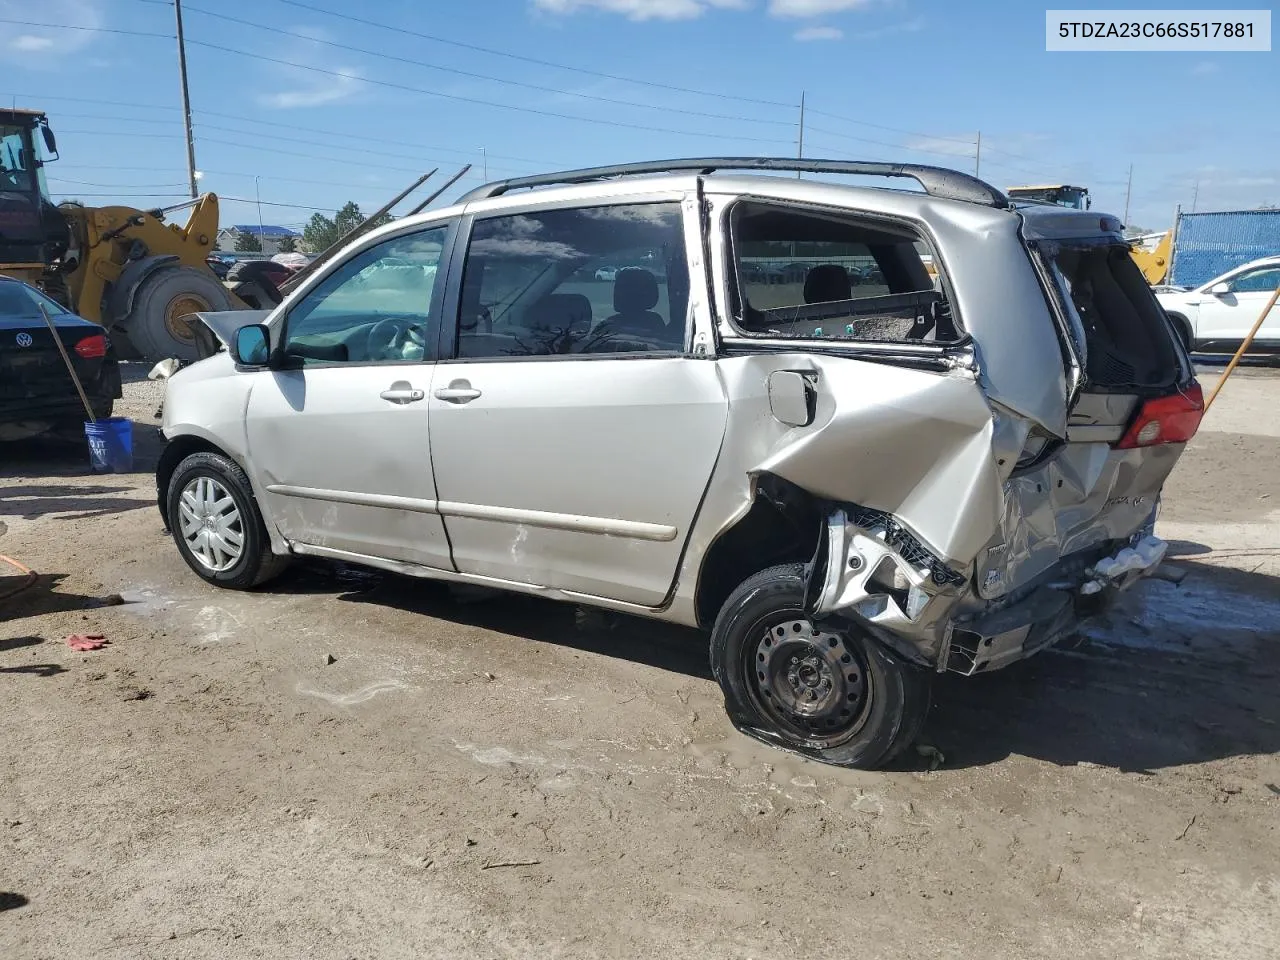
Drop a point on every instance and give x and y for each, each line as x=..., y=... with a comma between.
x=110, y=444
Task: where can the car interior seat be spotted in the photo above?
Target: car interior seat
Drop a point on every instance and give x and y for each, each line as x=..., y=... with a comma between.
x=560, y=321
x=635, y=294
x=827, y=283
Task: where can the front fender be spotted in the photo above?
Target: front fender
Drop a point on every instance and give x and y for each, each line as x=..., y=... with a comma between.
x=123, y=291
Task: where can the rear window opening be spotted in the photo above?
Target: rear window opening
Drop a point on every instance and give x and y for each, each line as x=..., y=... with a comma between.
x=813, y=275
x=1127, y=340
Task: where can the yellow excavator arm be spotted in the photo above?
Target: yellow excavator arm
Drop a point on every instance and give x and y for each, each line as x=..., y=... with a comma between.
x=1154, y=264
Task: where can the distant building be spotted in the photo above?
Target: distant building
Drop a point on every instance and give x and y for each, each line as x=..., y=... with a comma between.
x=269, y=235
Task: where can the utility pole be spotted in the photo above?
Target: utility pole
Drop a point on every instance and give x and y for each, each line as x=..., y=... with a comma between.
x=258, y=196
x=800, y=144
x=1195, y=196
x=977, y=156
x=186, y=102
x=1128, y=191
x=484, y=156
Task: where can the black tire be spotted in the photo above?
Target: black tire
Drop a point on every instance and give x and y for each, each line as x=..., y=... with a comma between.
x=256, y=563
x=1183, y=326
x=873, y=703
x=153, y=329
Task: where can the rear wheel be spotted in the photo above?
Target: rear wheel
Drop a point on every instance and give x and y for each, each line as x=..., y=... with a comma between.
x=157, y=326
x=837, y=696
x=216, y=523
x=1183, y=326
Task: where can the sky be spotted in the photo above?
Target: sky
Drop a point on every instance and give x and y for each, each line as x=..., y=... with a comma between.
x=306, y=109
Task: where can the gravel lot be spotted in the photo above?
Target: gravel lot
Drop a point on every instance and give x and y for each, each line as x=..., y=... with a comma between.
x=498, y=780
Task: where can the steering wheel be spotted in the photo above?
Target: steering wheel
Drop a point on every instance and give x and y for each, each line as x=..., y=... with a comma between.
x=396, y=338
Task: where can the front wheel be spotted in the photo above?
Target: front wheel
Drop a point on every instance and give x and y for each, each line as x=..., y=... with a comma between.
x=837, y=696
x=216, y=523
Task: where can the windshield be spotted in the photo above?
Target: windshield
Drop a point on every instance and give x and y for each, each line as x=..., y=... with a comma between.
x=16, y=162
x=19, y=301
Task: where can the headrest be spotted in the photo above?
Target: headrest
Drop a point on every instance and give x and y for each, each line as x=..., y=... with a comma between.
x=635, y=290
x=560, y=311
x=827, y=283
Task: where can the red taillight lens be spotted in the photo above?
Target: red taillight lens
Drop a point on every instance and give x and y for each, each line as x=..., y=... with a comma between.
x=1172, y=419
x=92, y=347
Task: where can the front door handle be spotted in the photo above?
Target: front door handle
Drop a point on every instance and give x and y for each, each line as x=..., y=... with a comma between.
x=401, y=392
x=459, y=391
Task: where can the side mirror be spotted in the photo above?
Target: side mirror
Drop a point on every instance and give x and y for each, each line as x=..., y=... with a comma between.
x=252, y=346
x=1220, y=289
x=50, y=142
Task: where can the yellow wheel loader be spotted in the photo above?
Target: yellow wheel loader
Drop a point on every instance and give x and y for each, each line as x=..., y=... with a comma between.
x=124, y=268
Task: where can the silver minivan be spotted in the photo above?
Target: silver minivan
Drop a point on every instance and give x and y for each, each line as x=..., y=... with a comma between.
x=859, y=435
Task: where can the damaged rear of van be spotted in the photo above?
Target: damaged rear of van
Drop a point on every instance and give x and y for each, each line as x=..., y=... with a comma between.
x=984, y=447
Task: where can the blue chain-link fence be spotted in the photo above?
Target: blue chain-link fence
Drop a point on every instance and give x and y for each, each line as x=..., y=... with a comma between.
x=1209, y=244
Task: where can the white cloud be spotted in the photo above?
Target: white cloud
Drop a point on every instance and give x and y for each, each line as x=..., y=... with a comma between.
x=641, y=9
x=813, y=8
x=818, y=33
x=28, y=43
x=914, y=25
x=957, y=146
x=315, y=90
x=1204, y=68
x=35, y=46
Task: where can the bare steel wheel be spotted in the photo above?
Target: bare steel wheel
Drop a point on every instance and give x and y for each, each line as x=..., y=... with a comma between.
x=178, y=311
x=211, y=524
x=809, y=681
x=833, y=693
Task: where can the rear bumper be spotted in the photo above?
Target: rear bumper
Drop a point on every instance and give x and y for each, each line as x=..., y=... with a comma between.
x=1051, y=612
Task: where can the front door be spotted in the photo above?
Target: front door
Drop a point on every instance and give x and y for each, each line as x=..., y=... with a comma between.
x=572, y=435
x=337, y=430
x=1230, y=316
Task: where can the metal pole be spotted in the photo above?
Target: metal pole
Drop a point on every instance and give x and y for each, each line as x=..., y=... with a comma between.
x=800, y=144
x=186, y=101
x=261, y=231
x=447, y=184
x=484, y=156
x=57, y=340
x=977, y=157
x=1244, y=345
x=1195, y=195
x=1128, y=191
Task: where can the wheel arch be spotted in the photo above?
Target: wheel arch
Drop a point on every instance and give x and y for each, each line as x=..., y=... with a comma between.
x=1183, y=325
x=784, y=524
x=174, y=452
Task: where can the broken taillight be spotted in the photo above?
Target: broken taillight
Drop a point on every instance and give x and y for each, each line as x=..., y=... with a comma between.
x=1171, y=419
x=92, y=347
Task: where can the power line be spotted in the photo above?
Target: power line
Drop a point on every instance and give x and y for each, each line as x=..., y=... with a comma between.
x=69, y=26
x=482, y=76
x=126, y=186
x=880, y=126
x=534, y=60
x=479, y=102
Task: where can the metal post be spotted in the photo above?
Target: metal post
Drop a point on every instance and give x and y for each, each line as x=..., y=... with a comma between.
x=800, y=144
x=977, y=157
x=447, y=184
x=484, y=158
x=1195, y=195
x=1128, y=190
x=261, y=230
x=186, y=101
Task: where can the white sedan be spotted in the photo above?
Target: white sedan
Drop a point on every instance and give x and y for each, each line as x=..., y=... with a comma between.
x=1216, y=316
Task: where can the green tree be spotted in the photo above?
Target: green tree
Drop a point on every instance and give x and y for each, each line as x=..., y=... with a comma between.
x=288, y=245
x=321, y=231
x=247, y=242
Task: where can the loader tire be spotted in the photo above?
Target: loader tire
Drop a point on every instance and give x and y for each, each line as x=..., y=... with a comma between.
x=156, y=327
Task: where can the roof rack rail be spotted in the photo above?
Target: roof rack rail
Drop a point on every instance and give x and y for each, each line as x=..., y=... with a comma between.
x=937, y=181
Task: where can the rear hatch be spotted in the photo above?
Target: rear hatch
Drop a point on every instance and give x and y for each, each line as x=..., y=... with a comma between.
x=32, y=372
x=1133, y=402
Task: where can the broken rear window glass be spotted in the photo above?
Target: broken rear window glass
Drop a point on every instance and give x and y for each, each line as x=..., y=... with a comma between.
x=806, y=274
x=1128, y=341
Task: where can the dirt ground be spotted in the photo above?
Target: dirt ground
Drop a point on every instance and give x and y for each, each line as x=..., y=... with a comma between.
x=496, y=779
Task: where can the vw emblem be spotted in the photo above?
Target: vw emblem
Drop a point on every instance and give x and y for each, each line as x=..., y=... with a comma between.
x=24, y=339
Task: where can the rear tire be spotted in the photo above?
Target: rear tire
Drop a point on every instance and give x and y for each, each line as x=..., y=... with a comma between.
x=837, y=696
x=154, y=326
x=216, y=523
x=1183, y=326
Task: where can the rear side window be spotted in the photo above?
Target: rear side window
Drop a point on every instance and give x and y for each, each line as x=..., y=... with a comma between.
x=585, y=280
x=809, y=274
x=1127, y=339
